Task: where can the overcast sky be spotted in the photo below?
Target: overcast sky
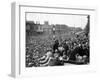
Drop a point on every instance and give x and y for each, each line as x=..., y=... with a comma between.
x=70, y=20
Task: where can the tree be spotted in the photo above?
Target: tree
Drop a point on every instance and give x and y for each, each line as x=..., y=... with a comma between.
x=87, y=28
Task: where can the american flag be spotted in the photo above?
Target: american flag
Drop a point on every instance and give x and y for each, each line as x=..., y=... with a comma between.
x=44, y=60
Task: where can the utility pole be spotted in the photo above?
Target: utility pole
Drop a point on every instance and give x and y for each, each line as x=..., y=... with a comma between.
x=53, y=32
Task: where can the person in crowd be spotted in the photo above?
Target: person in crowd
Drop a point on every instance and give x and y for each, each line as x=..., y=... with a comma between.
x=66, y=48
x=78, y=58
x=61, y=50
x=55, y=46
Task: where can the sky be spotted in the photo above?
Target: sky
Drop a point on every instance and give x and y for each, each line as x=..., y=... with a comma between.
x=70, y=20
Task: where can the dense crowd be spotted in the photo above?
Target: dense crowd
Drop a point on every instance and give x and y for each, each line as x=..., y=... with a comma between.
x=50, y=51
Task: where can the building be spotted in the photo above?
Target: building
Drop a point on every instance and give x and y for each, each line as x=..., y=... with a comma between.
x=46, y=28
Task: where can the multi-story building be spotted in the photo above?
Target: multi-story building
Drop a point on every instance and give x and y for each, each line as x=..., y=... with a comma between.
x=45, y=28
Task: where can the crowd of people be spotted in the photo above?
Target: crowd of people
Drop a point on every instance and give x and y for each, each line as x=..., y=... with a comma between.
x=58, y=51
